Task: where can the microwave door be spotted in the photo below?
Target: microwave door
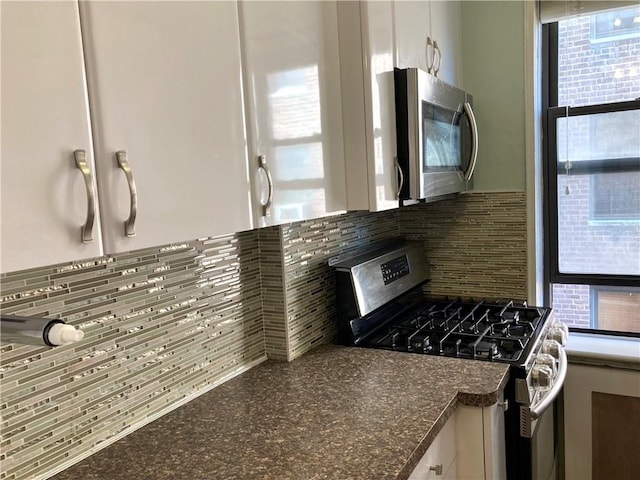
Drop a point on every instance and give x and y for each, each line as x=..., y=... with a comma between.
x=441, y=162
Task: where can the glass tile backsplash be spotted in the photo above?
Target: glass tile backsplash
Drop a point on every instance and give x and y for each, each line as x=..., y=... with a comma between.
x=163, y=325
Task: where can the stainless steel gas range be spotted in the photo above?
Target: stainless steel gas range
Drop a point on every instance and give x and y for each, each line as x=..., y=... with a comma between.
x=381, y=305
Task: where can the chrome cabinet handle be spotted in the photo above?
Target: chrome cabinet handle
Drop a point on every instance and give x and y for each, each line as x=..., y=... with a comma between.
x=86, y=231
x=430, y=58
x=436, y=49
x=437, y=469
x=504, y=405
x=262, y=164
x=400, y=177
x=474, y=146
x=129, y=224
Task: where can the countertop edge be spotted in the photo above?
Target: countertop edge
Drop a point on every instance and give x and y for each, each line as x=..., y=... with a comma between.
x=485, y=399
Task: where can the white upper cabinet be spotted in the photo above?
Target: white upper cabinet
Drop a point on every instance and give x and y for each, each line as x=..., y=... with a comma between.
x=294, y=110
x=429, y=37
x=446, y=29
x=165, y=91
x=413, y=27
x=366, y=69
x=44, y=200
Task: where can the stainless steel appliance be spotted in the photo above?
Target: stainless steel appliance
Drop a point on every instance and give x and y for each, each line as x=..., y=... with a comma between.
x=381, y=305
x=437, y=136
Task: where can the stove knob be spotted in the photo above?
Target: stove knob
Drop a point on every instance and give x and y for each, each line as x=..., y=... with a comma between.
x=542, y=376
x=547, y=360
x=552, y=347
x=559, y=332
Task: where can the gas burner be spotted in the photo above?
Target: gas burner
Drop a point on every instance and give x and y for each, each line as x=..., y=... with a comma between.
x=419, y=343
x=486, y=350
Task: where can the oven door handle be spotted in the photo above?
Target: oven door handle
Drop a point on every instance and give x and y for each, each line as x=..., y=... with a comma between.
x=537, y=410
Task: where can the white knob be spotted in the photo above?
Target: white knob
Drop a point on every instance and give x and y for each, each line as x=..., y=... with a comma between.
x=548, y=360
x=558, y=334
x=542, y=377
x=552, y=347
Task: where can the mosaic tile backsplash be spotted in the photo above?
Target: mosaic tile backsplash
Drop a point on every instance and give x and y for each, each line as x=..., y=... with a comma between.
x=161, y=326
x=164, y=325
x=475, y=244
x=310, y=282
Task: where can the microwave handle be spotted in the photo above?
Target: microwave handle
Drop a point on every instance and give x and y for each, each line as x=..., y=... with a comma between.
x=400, y=177
x=474, y=135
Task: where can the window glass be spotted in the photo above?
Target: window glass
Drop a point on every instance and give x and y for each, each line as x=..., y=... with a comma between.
x=615, y=25
x=595, y=172
x=596, y=181
x=599, y=58
x=615, y=196
x=602, y=136
x=597, y=307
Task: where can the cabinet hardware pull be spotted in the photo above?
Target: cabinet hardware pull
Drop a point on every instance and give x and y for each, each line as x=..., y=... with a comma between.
x=504, y=405
x=430, y=58
x=474, y=134
x=400, y=177
x=436, y=49
x=86, y=231
x=436, y=468
x=262, y=164
x=129, y=224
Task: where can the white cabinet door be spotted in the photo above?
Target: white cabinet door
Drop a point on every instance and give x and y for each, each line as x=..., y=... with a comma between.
x=480, y=443
x=495, y=463
x=165, y=87
x=446, y=29
x=439, y=459
x=367, y=62
x=44, y=120
x=441, y=22
x=413, y=26
x=294, y=109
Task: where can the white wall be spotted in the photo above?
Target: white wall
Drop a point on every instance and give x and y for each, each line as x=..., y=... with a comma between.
x=493, y=66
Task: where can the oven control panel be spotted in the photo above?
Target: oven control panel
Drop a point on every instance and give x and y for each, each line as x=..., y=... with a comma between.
x=381, y=274
x=395, y=269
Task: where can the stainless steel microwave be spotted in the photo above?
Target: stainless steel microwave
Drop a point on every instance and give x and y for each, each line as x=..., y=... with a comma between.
x=437, y=136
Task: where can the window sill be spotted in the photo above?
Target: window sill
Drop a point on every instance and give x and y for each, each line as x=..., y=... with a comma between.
x=604, y=350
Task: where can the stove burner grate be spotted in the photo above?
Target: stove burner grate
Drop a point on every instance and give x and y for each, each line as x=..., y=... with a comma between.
x=467, y=330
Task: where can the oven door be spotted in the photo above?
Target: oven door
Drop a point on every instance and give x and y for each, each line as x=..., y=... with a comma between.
x=532, y=439
x=534, y=456
x=544, y=446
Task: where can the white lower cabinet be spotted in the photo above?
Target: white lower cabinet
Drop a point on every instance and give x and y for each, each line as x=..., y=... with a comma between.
x=470, y=446
x=439, y=461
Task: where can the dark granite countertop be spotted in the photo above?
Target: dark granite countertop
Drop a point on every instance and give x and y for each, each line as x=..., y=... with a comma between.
x=335, y=413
